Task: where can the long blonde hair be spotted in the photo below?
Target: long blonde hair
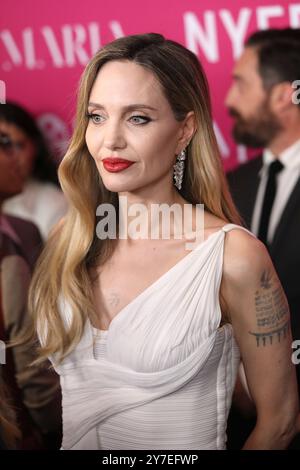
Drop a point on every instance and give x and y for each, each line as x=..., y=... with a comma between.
x=63, y=268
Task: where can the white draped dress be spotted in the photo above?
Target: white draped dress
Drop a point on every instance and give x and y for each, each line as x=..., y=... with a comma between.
x=162, y=375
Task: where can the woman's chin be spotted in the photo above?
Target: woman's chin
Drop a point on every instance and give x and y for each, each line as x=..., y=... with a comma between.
x=118, y=187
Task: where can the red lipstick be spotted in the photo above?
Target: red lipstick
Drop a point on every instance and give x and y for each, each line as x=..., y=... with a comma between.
x=114, y=165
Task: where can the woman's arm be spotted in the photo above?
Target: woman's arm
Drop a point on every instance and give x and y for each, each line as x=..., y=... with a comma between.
x=259, y=313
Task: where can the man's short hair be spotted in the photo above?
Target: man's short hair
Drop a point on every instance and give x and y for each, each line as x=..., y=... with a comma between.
x=278, y=53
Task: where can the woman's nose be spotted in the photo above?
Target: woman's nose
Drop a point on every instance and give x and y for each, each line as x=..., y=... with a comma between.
x=114, y=136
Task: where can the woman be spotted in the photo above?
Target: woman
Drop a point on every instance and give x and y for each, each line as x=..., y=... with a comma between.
x=41, y=201
x=142, y=332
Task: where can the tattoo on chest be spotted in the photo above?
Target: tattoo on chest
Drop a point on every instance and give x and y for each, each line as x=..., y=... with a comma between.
x=271, y=312
x=113, y=299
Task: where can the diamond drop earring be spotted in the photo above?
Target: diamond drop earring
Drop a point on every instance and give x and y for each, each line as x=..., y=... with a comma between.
x=179, y=169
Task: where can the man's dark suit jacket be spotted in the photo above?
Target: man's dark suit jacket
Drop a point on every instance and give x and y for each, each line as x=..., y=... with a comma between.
x=285, y=247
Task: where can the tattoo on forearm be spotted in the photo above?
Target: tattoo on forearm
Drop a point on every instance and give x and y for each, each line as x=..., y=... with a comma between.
x=271, y=311
x=267, y=338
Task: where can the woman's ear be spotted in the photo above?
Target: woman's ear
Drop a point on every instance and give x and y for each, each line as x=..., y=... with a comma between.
x=187, y=130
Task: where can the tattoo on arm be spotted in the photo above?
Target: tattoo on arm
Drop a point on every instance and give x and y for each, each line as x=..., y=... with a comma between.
x=271, y=311
x=267, y=338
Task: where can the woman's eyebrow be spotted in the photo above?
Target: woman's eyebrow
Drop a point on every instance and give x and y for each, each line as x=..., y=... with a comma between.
x=130, y=107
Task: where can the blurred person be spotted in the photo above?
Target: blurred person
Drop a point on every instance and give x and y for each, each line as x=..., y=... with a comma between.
x=145, y=336
x=33, y=392
x=41, y=200
x=266, y=189
x=10, y=434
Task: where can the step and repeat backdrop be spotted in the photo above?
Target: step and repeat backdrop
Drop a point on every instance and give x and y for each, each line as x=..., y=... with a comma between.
x=45, y=44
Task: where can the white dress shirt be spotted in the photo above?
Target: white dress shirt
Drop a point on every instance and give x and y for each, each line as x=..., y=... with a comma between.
x=286, y=181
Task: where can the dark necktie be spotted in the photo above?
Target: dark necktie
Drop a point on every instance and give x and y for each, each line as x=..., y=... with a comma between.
x=270, y=192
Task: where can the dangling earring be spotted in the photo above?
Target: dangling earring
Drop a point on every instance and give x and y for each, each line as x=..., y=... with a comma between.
x=179, y=169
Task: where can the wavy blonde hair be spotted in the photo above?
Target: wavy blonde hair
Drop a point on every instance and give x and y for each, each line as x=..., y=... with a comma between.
x=63, y=268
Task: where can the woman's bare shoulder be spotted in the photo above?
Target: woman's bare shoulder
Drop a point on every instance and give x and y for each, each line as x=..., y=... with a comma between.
x=245, y=257
x=247, y=268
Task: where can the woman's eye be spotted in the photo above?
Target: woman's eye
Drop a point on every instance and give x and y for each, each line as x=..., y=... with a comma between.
x=96, y=118
x=140, y=119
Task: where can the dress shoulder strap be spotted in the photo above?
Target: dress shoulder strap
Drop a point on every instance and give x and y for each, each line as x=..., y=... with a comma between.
x=228, y=227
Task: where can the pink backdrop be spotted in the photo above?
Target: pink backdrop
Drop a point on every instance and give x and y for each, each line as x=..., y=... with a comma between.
x=44, y=46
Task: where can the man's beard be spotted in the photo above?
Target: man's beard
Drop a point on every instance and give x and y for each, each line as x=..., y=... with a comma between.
x=258, y=130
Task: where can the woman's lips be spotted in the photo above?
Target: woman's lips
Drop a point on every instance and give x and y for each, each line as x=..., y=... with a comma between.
x=113, y=165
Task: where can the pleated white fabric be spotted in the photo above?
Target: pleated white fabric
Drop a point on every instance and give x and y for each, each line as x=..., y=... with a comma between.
x=166, y=371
